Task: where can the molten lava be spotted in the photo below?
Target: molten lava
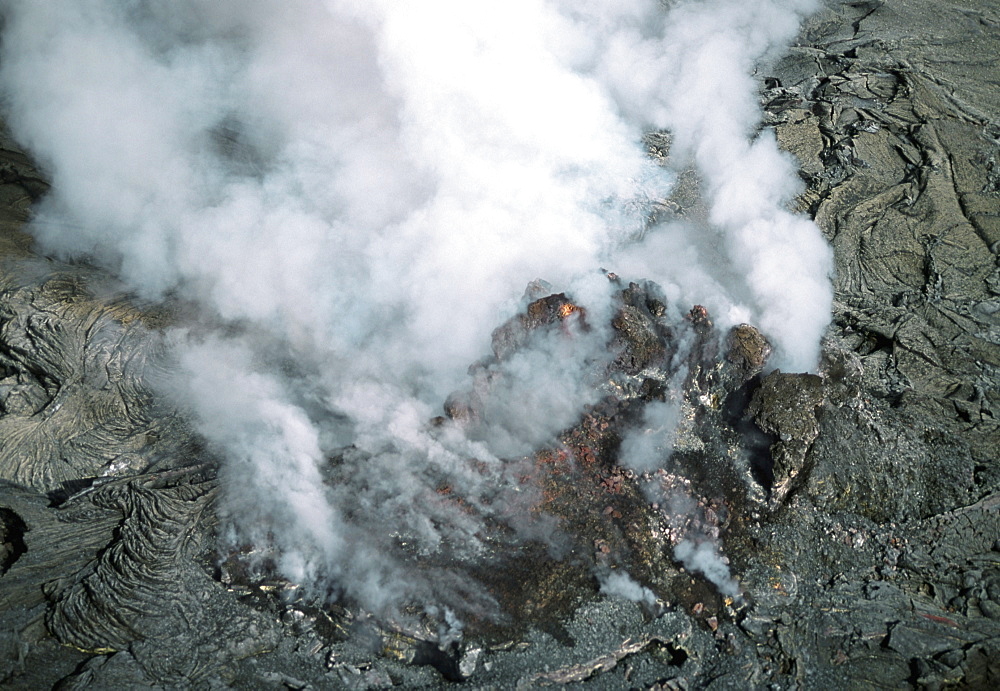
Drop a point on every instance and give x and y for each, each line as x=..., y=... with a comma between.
x=567, y=309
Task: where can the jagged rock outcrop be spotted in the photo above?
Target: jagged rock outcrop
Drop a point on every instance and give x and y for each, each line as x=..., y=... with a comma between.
x=785, y=406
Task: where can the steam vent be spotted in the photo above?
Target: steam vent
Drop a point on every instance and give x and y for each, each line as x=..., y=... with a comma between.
x=277, y=410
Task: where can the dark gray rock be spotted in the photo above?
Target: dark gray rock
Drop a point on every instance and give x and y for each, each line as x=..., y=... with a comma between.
x=785, y=406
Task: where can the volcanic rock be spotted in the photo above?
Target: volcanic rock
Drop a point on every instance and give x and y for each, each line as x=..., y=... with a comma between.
x=785, y=405
x=858, y=509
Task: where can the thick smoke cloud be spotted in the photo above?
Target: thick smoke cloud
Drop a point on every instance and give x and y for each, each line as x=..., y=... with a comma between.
x=356, y=193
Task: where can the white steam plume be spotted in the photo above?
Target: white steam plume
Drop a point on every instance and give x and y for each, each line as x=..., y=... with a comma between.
x=693, y=78
x=357, y=189
x=621, y=584
x=703, y=557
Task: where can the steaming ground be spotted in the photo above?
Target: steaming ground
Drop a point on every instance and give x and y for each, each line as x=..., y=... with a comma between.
x=357, y=194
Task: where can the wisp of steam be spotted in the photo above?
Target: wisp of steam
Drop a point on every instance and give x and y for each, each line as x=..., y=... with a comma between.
x=354, y=194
